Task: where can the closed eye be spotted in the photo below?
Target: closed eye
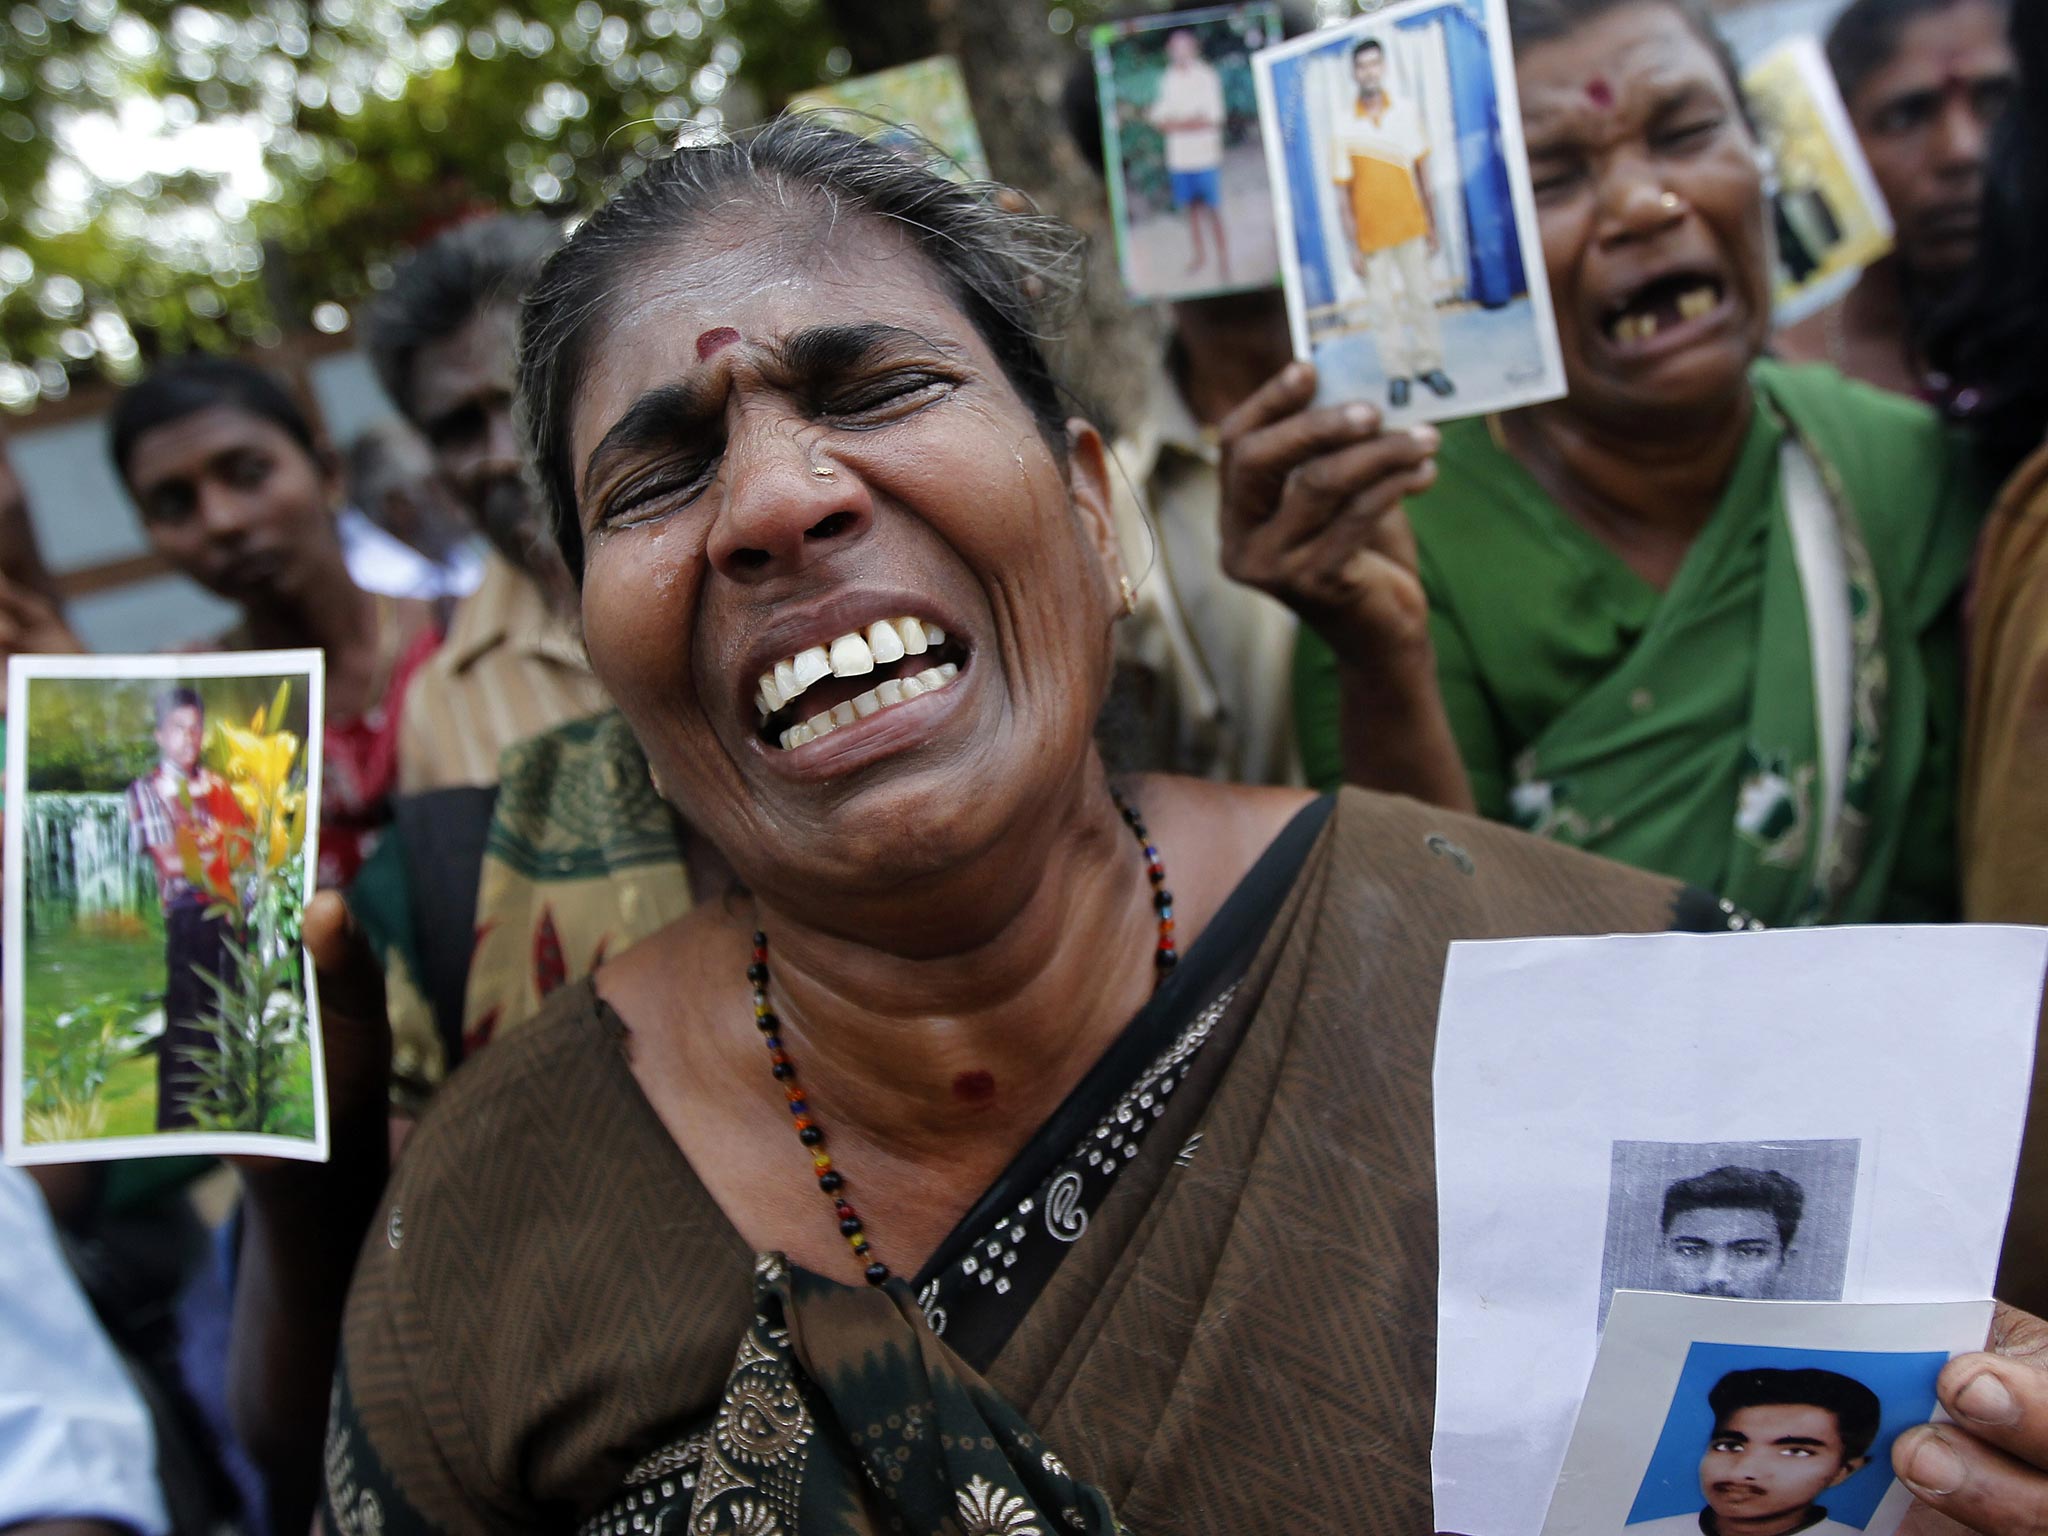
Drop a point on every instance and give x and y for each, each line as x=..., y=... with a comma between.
x=1689, y=134
x=877, y=402
x=667, y=488
x=1553, y=174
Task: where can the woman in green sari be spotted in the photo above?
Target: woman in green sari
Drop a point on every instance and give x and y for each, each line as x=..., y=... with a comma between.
x=1701, y=615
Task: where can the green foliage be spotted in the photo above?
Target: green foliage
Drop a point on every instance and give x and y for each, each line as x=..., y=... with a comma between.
x=66, y=1062
x=96, y=735
x=261, y=1032
x=76, y=763
x=376, y=121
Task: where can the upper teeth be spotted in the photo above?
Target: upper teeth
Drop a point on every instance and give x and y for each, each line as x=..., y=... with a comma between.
x=1643, y=324
x=851, y=655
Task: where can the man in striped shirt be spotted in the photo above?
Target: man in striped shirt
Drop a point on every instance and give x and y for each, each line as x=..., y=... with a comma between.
x=182, y=795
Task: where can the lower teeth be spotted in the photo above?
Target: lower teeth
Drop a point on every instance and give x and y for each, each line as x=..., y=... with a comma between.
x=895, y=691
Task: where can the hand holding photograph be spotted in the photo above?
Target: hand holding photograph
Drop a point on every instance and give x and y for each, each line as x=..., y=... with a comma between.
x=1409, y=251
x=1812, y=1115
x=161, y=830
x=1718, y=1415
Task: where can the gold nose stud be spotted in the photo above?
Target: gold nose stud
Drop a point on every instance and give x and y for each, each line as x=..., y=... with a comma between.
x=822, y=471
x=1669, y=202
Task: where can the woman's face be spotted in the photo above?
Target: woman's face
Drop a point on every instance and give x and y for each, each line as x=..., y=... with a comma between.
x=1651, y=205
x=232, y=500
x=798, y=464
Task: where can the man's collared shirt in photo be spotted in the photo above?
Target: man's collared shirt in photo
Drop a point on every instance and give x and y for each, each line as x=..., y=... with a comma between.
x=1376, y=154
x=1191, y=93
x=166, y=799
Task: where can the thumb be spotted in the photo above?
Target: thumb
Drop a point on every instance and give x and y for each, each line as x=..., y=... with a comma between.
x=351, y=982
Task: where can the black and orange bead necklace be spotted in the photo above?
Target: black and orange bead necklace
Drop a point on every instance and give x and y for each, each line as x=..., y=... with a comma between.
x=812, y=1135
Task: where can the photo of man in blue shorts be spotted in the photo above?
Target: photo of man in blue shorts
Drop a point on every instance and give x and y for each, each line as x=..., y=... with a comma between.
x=1189, y=114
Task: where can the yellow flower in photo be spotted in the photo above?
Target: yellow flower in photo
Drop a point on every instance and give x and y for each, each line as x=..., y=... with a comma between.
x=257, y=765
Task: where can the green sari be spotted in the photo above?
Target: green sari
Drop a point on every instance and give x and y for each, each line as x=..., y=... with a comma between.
x=1676, y=730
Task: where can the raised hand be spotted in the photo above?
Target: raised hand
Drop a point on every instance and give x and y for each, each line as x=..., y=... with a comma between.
x=1312, y=514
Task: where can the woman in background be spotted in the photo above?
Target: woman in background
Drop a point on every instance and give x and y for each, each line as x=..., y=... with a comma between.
x=1698, y=616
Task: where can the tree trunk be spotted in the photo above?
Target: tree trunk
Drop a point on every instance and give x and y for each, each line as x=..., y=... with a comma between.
x=1016, y=67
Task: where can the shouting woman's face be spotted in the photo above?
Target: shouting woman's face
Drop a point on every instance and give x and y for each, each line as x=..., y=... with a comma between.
x=1650, y=199
x=853, y=602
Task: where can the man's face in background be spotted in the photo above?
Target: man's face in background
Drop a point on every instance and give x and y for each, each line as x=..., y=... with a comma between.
x=1721, y=1251
x=462, y=388
x=178, y=737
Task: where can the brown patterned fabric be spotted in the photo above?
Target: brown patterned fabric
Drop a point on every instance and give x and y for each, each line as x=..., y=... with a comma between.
x=1242, y=1340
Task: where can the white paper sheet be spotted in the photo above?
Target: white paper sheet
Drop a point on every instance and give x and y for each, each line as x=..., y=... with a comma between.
x=1649, y=1451
x=1579, y=1080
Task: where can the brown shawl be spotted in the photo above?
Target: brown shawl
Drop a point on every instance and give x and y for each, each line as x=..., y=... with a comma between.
x=1242, y=1341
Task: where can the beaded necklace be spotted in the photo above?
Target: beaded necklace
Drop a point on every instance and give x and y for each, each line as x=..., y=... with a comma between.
x=1164, y=958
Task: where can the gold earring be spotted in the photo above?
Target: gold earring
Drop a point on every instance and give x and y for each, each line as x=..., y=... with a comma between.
x=1130, y=594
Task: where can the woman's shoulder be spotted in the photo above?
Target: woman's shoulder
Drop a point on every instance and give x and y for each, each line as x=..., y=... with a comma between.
x=541, y=1139
x=539, y=1204
x=1911, y=476
x=1450, y=876
x=494, y=1113
x=1486, y=524
x=1860, y=427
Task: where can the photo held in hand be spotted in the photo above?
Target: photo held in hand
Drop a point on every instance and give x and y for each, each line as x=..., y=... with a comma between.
x=161, y=845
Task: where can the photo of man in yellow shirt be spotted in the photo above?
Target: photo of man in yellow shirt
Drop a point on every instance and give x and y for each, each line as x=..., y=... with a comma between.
x=1390, y=229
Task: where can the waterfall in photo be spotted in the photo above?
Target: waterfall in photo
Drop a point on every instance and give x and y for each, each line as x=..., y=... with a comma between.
x=81, y=860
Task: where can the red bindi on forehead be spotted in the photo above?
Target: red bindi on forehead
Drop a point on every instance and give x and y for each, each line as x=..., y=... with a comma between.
x=715, y=340
x=1600, y=93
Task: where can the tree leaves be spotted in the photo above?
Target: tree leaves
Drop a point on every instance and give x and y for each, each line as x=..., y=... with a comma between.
x=375, y=122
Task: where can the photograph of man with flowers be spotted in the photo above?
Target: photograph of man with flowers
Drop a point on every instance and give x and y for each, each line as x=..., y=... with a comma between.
x=160, y=841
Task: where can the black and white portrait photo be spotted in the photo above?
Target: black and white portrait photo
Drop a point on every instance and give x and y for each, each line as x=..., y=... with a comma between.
x=1754, y=1221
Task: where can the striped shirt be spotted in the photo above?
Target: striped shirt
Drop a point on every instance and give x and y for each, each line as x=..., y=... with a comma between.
x=509, y=669
x=156, y=809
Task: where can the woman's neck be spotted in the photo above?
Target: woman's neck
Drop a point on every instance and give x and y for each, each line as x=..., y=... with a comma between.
x=973, y=1046
x=1646, y=491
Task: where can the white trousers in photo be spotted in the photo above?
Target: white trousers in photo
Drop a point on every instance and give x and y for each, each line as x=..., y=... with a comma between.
x=1401, y=311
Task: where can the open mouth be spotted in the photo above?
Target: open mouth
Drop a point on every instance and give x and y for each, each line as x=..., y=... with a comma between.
x=1662, y=305
x=855, y=677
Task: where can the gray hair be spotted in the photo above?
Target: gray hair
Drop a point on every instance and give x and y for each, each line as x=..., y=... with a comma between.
x=444, y=283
